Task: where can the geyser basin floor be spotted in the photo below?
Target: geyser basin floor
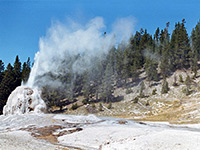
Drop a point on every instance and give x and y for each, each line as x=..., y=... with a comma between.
x=31, y=131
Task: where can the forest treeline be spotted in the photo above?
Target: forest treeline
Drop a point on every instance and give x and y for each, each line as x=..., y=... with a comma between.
x=158, y=55
x=11, y=77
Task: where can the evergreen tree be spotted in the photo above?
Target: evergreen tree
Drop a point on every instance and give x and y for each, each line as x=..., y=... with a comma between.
x=194, y=61
x=151, y=70
x=100, y=107
x=88, y=87
x=165, y=53
x=188, y=85
x=195, y=39
x=188, y=81
x=92, y=79
x=165, y=87
x=165, y=67
x=122, y=64
x=137, y=52
x=185, y=46
x=180, y=46
x=26, y=69
x=151, y=57
x=180, y=78
x=195, y=47
x=17, y=72
x=97, y=76
x=7, y=85
x=110, y=106
x=145, y=40
x=54, y=96
x=166, y=61
x=142, y=88
x=134, y=71
x=1, y=70
x=136, y=58
x=107, y=84
x=157, y=43
x=157, y=35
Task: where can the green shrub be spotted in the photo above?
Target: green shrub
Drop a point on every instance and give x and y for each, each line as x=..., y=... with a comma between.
x=110, y=106
x=165, y=87
x=93, y=106
x=194, y=76
x=74, y=106
x=186, y=91
x=129, y=90
x=143, y=96
x=154, y=91
x=175, y=83
x=147, y=104
x=188, y=82
x=100, y=107
x=142, y=88
x=135, y=100
x=85, y=101
x=180, y=78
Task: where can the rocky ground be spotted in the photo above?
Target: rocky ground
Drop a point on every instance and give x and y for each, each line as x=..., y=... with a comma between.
x=39, y=131
x=68, y=132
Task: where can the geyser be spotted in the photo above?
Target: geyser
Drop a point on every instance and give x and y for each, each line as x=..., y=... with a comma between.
x=24, y=100
x=66, y=48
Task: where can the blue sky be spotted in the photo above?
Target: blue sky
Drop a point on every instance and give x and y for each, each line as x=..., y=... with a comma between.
x=23, y=22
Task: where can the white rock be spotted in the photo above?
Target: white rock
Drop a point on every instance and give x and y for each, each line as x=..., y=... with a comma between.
x=24, y=100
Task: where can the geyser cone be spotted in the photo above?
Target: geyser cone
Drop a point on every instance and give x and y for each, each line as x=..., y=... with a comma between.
x=24, y=100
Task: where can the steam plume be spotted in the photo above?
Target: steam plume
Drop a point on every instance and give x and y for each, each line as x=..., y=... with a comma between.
x=74, y=48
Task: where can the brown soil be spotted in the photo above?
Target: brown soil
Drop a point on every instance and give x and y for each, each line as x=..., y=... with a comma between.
x=47, y=133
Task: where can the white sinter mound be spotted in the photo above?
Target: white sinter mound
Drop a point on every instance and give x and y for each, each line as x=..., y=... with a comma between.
x=24, y=100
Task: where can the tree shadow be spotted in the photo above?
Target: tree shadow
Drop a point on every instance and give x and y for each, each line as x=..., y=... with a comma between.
x=59, y=111
x=155, y=84
x=117, y=99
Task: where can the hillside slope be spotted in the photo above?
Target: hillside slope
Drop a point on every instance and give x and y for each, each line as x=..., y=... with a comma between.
x=176, y=106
